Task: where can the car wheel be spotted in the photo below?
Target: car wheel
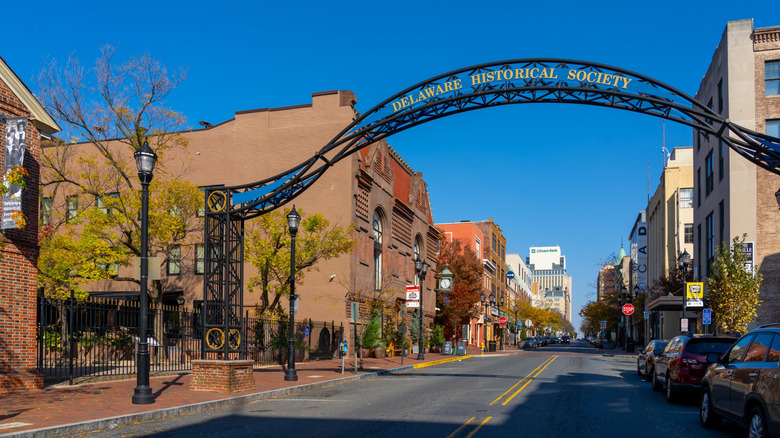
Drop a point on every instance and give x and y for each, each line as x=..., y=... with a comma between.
x=649, y=374
x=757, y=427
x=656, y=385
x=671, y=394
x=707, y=416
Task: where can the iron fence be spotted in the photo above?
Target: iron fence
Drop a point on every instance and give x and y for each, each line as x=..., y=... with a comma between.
x=95, y=339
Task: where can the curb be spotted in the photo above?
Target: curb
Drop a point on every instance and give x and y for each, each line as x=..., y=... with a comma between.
x=91, y=426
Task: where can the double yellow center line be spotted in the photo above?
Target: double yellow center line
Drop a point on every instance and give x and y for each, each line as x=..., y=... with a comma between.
x=527, y=379
x=524, y=382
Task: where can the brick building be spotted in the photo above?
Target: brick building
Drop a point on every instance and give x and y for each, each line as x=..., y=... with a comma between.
x=471, y=237
x=19, y=254
x=733, y=196
x=375, y=190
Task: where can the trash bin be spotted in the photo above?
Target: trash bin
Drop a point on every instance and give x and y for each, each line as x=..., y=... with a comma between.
x=630, y=346
x=447, y=347
x=491, y=346
x=460, y=348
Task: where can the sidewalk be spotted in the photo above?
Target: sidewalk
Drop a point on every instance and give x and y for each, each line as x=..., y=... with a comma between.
x=70, y=410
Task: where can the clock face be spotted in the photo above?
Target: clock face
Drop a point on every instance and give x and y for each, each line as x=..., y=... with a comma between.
x=445, y=283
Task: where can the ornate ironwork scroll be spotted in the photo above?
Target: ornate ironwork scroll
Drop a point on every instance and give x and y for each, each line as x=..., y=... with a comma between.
x=481, y=86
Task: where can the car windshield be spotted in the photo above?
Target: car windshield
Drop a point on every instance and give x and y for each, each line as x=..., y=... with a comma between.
x=703, y=346
x=659, y=347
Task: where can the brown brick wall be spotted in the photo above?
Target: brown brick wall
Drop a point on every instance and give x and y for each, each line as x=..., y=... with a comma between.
x=767, y=47
x=226, y=376
x=18, y=272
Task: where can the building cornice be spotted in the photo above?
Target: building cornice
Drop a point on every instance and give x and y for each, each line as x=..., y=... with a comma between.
x=38, y=115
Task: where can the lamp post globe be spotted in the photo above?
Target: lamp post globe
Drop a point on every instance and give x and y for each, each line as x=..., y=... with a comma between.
x=293, y=220
x=145, y=159
x=777, y=197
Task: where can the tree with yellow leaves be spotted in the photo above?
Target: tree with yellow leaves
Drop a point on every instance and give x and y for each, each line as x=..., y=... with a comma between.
x=267, y=247
x=107, y=112
x=732, y=288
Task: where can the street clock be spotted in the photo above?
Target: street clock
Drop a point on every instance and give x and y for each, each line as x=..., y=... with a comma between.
x=446, y=278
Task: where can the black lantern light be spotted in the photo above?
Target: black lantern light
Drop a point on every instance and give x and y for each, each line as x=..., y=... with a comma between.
x=421, y=268
x=293, y=220
x=145, y=159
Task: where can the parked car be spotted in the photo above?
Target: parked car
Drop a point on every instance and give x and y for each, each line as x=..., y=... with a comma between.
x=743, y=384
x=555, y=340
x=565, y=340
x=684, y=361
x=530, y=342
x=645, y=361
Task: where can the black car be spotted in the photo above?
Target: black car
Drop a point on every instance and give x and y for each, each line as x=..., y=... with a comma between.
x=645, y=361
x=744, y=384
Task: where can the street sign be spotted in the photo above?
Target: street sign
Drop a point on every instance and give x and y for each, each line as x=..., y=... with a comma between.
x=647, y=314
x=628, y=309
x=706, y=316
x=694, y=294
x=748, y=250
x=413, y=293
x=510, y=275
x=528, y=323
x=603, y=325
x=502, y=321
x=413, y=296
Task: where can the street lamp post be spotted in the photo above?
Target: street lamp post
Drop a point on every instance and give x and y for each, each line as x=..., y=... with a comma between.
x=145, y=159
x=621, y=330
x=684, y=261
x=517, y=326
x=421, y=267
x=492, y=303
x=293, y=219
x=484, y=321
x=503, y=328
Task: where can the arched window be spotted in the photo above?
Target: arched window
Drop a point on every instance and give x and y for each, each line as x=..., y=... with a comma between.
x=417, y=249
x=378, y=228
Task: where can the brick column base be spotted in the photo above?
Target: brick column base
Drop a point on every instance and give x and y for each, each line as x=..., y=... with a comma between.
x=20, y=380
x=222, y=376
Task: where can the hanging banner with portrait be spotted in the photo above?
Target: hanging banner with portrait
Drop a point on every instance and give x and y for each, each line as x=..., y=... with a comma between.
x=15, y=147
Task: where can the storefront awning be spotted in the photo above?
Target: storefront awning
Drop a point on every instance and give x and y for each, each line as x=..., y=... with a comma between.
x=666, y=303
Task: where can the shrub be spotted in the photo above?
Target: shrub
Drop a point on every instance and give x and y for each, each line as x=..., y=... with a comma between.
x=371, y=333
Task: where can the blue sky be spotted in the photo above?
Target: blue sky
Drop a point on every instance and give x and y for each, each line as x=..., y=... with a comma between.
x=548, y=174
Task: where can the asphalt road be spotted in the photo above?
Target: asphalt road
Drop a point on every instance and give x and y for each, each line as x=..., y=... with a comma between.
x=555, y=391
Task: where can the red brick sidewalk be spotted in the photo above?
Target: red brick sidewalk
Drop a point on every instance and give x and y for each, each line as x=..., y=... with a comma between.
x=64, y=405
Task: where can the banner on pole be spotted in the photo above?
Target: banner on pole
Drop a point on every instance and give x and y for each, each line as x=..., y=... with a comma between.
x=15, y=146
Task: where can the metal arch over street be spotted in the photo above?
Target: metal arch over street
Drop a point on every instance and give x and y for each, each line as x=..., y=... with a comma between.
x=503, y=83
x=467, y=89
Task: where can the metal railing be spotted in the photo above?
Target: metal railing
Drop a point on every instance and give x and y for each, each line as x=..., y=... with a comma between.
x=95, y=339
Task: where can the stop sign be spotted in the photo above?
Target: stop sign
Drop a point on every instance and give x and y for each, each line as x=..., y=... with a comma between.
x=502, y=321
x=628, y=309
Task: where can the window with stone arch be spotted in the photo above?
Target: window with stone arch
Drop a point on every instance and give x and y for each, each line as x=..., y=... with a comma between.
x=417, y=250
x=378, y=226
